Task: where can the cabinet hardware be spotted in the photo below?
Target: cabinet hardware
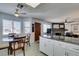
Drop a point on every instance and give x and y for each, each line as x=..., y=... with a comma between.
x=65, y=53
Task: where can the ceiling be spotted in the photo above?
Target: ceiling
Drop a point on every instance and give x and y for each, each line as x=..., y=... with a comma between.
x=47, y=11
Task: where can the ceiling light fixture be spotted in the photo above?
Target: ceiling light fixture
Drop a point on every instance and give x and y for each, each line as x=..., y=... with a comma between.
x=17, y=15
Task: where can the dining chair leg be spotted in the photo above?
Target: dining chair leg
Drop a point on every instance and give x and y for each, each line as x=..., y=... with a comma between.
x=29, y=44
x=14, y=53
x=8, y=51
x=23, y=49
x=11, y=52
x=14, y=49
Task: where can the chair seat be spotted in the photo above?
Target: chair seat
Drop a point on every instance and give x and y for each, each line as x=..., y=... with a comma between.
x=17, y=45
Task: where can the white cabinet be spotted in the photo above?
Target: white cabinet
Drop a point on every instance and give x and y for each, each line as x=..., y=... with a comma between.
x=46, y=46
x=42, y=45
x=59, y=51
x=49, y=47
x=57, y=48
x=71, y=53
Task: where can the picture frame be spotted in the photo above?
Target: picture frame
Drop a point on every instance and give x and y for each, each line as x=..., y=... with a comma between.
x=75, y=28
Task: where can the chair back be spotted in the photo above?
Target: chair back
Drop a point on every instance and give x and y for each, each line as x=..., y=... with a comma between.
x=28, y=36
x=11, y=35
x=18, y=43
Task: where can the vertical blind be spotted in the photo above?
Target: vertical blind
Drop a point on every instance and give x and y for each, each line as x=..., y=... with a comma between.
x=27, y=27
x=10, y=26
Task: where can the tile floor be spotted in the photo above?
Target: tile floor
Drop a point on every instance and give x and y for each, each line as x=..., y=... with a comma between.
x=33, y=50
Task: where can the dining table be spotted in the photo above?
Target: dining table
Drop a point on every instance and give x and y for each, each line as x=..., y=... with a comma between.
x=11, y=40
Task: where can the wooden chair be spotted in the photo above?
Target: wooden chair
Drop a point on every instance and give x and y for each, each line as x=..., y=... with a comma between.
x=11, y=35
x=18, y=43
x=28, y=39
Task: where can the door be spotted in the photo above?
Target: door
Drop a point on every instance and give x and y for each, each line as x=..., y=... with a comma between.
x=46, y=46
x=59, y=51
x=49, y=47
x=42, y=45
x=71, y=53
x=37, y=31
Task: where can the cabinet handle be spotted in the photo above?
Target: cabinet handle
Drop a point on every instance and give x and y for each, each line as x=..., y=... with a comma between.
x=76, y=49
x=65, y=54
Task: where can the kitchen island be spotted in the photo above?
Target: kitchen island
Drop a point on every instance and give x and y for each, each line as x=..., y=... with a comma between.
x=59, y=45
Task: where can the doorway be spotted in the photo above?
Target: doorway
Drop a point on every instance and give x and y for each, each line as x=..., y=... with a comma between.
x=37, y=31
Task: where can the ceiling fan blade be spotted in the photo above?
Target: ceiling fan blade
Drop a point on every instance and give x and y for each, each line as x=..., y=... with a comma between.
x=23, y=13
x=70, y=21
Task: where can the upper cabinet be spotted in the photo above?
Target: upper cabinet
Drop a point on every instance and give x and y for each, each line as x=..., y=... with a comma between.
x=58, y=28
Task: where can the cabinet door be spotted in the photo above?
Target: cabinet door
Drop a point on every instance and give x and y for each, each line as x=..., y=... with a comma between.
x=71, y=53
x=49, y=47
x=46, y=46
x=59, y=51
x=42, y=45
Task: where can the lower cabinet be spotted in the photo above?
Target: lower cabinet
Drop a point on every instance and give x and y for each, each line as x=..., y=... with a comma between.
x=49, y=47
x=57, y=48
x=46, y=46
x=58, y=51
x=71, y=53
x=42, y=45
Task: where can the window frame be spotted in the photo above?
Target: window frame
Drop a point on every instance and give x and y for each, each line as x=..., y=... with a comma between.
x=12, y=28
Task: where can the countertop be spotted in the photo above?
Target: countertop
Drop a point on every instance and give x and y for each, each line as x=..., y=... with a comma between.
x=66, y=39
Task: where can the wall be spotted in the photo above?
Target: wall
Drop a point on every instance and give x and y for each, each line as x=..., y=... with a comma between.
x=74, y=17
x=71, y=26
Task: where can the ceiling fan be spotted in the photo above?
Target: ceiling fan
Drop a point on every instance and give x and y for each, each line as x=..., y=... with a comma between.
x=17, y=10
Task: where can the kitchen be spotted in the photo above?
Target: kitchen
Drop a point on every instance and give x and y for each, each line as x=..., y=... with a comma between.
x=62, y=39
x=53, y=28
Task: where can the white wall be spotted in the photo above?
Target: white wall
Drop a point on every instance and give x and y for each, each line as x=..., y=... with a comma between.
x=70, y=27
x=74, y=16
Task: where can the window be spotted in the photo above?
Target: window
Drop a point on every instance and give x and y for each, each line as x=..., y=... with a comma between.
x=7, y=26
x=10, y=26
x=45, y=27
x=17, y=27
x=27, y=27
